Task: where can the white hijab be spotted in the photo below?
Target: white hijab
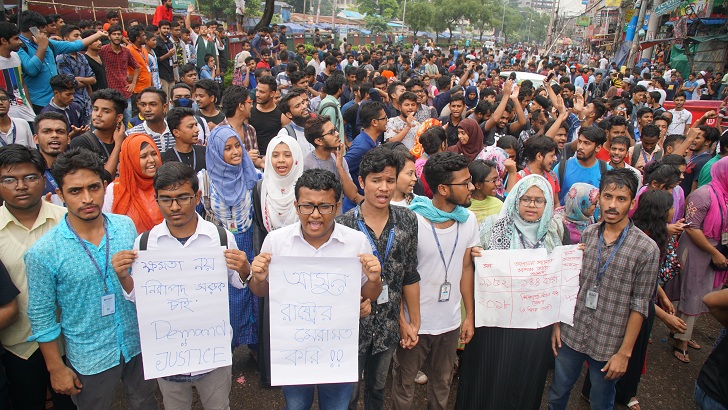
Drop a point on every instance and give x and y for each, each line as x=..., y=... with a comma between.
x=277, y=192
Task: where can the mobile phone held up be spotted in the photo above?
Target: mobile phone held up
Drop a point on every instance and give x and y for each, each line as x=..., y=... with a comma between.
x=34, y=31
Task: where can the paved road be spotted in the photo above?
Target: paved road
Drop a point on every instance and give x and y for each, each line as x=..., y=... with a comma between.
x=668, y=383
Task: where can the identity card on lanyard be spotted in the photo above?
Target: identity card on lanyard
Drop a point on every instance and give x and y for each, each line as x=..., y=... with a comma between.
x=592, y=295
x=384, y=296
x=108, y=299
x=445, y=288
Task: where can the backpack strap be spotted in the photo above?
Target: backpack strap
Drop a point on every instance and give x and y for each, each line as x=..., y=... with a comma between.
x=562, y=171
x=223, y=236
x=291, y=132
x=636, y=154
x=201, y=123
x=602, y=167
x=143, y=241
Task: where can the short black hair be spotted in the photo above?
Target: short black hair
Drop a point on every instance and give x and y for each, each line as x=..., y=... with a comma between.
x=211, y=88
x=8, y=30
x=62, y=82
x=49, y=115
x=160, y=93
x=186, y=68
x=284, y=102
x=538, y=145
x=334, y=83
x=115, y=27
x=643, y=111
x=432, y=139
x=620, y=140
x=15, y=154
x=369, y=111
x=619, y=178
x=480, y=169
x=269, y=81
x=68, y=29
x=376, y=160
x=172, y=174
x=112, y=95
x=508, y=141
x=233, y=96
x=176, y=115
x=594, y=134
x=407, y=96
x=650, y=130
x=135, y=32
x=314, y=128
x=30, y=18
x=615, y=121
x=662, y=118
x=439, y=168
x=297, y=76
x=674, y=160
x=673, y=139
x=711, y=133
x=318, y=179
x=76, y=159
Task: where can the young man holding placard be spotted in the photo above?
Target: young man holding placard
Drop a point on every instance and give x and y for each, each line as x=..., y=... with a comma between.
x=391, y=231
x=447, y=233
x=70, y=268
x=318, y=235
x=618, y=274
x=177, y=189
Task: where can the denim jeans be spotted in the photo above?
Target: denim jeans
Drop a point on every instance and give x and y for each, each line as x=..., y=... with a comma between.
x=333, y=396
x=705, y=402
x=375, y=368
x=568, y=368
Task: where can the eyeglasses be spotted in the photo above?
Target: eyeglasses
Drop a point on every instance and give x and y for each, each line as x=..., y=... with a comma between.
x=465, y=184
x=537, y=202
x=4, y=99
x=181, y=201
x=324, y=209
x=248, y=101
x=12, y=182
x=333, y=131
x=382, y=119
x=418, y=91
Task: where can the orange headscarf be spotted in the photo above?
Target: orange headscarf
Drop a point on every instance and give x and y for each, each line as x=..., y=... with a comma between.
x=134, y=191
x=417, y=150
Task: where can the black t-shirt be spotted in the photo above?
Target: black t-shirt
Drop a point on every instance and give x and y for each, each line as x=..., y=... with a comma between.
x=713, y=377
x=8, y=291
x=100, y=74
x=197, y=161
x=92, y=143
x=267, y=125
x=165, y=68
x=692, y=172
x=215, y=119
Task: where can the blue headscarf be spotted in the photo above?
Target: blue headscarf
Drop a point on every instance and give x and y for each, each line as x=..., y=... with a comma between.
x=471, y=103
x=231, y=181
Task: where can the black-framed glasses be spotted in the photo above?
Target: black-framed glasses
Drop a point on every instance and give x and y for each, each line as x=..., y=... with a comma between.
x=465, y=184
x=12, y=182
x=181, y=201
x=324, y=209
x=537, y=202
x=332, y=132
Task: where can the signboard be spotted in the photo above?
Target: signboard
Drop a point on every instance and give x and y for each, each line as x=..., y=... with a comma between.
x=667, y=7
x=583, y=21
x=314, y=320
x=613, y=3
x=183, y=311
x=526, y=289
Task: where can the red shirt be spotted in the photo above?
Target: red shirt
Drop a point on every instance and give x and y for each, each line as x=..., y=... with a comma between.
x=161, y=13
x=116, y=67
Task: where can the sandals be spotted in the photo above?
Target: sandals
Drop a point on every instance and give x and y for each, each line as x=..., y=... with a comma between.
x=693, y=344
x=677, y=351
x=633, y=404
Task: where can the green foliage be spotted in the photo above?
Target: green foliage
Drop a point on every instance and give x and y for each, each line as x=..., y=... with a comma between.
x=449, y=13
x=376, y=24
x=419, y=15
x=387, y=9
x=220, y=8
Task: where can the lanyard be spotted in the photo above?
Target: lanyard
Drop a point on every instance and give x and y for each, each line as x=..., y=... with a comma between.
x=103, y=146
x=194, y=158
x=88, y=252
x=2, y=141
x=50, y=179
x=538, y=243
x=601, y=269
x=439, y=248
x=375, y=250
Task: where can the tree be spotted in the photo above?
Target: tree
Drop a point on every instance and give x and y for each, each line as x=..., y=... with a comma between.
x=482, y=16
x=513, y=22
x=450, y=12
x=267, y=15
x=387, y=9
x=218, y=8
x=419, y=15
x=376, y=24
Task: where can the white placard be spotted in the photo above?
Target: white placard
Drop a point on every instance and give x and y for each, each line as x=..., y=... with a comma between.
x=314, y=320
x=183, y=310
x=526, y=288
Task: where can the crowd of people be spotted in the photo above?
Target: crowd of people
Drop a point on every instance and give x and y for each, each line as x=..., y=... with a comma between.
x=118, y=139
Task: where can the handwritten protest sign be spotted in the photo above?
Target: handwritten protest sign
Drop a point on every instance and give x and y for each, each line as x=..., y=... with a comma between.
x=183, y=311
x=526, y=289
x=314, y=320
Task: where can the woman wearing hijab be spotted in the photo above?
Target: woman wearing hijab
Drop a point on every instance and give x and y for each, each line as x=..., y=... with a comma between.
x=503, y=367
x=227, y=201
x=273, y=199
x=132, y=193
x=471, y=97
x=499, y=156
x=578, y=210
x=470, y=139
x=699, y=250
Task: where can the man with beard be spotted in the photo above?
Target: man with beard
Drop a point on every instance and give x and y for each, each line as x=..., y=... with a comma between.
x=294, y=106
x=450, y=122
x=618, y=153
x=445, y=227
x=585, y=167
x=540, y=151
x=52, y=139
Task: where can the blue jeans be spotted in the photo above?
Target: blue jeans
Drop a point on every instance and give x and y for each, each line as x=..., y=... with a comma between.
x=705, y=402
x=375, y=368
x=333, y=396
x=568, y=368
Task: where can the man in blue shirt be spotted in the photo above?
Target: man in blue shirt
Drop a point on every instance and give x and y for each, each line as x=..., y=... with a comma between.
x=38, y=56
x=70, y=268
x=374, y=123
x=585, y=167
